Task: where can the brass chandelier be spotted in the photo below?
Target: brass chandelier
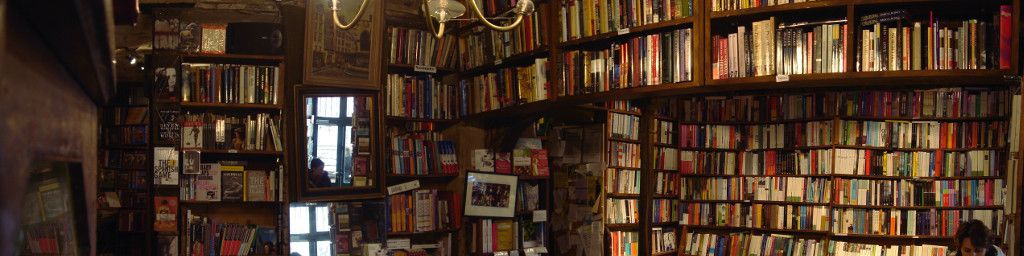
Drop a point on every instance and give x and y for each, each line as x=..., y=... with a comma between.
x=443, y=11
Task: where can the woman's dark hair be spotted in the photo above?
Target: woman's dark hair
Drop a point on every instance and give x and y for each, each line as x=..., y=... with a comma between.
x=315, y=163
x=974, y=230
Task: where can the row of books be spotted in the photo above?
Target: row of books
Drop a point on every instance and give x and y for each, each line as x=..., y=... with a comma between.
x=623, y=154
x=521, y=161
x=229, y=83
x=773, y=162
x=708, y=162
x=762, y=216
x=749, y=244
x=124, y=159
x=666, y=183
x=505, y=235
x=506, y=87
x=927, y=135
x=654, y=59
x=129, y=116
x=484, y=46
x=905, y=40
x=127, y=135
x=586, y=18
x=622, y=181
x=778, y=189
x=423, y=154
x=206, y=235
x=528, y=197
x=757, y=108
x=621, y=211
x=663, y=240
x=841, y=248
x=214, y=131
x=909, y=222
x=664, y=210
x=942, y=193
x=757, y=50
x=229, y=181
x=624, y=243
x=920, y=164
x=934, y=103
x=423, y=210
x=728, y=5
x=788, y=135
x=796, y=48
x=624, y=126
x=711, y=136
x=666, y=132
x=418, y=47
x=623, y=105
x=422, y=97
x=666, y=158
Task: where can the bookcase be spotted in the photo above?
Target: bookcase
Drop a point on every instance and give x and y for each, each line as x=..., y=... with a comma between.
x=219, y=135
x=124, y=173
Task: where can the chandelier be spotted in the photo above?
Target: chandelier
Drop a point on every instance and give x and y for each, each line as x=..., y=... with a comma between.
x=442, y=11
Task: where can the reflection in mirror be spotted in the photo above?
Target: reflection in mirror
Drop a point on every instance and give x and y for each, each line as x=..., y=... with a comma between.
x=338, y=141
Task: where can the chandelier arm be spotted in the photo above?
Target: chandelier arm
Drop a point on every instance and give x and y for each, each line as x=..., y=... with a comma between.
x=480, y=15
x=359, y=14
x=430, y=23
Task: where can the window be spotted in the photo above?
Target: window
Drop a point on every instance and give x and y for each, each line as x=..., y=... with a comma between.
x=330, y=136
x=310, y=229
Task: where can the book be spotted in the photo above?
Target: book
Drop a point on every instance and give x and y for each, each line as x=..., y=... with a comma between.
x=169, y=127
x=165, y=166
x=165, y=209
x=167, y=245
x=905, y=40
x=624, y=243
x=663, y=240
x=423, y=153
x=422, y=210
x=419, y=96
x=481, y=46
x=503, y=162
x=585, y=18
x=521, y=160
x=235, y=131
x=258, y=186
x=724, y=5
x=539, y=162
x=656, y=59
x=417, y=47
x=751, y=244
x=232, y=182
x=505, y=87
x=191, y=134
x=483, y=160
x=190, y=161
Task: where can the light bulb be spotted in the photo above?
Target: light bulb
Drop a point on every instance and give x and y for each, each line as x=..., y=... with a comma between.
x=524, y=7
x=445, y=10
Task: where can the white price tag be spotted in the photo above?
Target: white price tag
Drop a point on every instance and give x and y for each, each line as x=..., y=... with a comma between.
x=425, y=69
x=500, y=253
x=497, y=62
x=540, y=215
x=403, y=187
x=623, y=31
x=781, y=78
x=398, y=244
x=541, y=249
x=424, y=246
x=233, y=151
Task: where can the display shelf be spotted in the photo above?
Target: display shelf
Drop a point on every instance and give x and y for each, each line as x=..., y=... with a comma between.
x=607, y=37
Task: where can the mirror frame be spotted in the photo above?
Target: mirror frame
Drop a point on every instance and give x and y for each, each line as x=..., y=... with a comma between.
x=299, y=178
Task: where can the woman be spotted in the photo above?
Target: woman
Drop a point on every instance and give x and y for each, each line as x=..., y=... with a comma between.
x=973, y=238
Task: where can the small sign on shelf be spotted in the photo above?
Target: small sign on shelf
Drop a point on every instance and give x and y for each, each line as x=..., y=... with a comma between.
x=425, y=69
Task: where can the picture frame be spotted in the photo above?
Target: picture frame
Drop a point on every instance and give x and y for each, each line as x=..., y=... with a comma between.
x=349, y=58
x=490, y=195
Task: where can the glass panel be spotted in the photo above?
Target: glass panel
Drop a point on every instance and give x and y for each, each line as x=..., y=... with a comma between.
x=302, y=248
x=328, y=107
x=350, y=103
x=327, y=149
x=298, y=219
x=347, y=174
x=323, y=248
x=322, y=222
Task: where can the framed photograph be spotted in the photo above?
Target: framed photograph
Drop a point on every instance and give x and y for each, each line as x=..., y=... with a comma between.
x=349, y=58
x=490, y=195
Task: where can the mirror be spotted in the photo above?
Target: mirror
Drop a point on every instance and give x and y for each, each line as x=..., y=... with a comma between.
x=338, y=143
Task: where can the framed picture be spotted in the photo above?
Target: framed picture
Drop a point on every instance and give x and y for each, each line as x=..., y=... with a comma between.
x=490, y=195
x=348, y=58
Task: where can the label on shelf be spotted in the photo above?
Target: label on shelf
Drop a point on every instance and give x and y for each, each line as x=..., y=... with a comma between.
x=623, y=31
x=656, y=228
x=781, y=78
x=233, y=151
x=398, y=244
x=424, y=246
x=497, y=62
x=540, y=215
x=500, y=253
x=403, y=187
x=425, y=69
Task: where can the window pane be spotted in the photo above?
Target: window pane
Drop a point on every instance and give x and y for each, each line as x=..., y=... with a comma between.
x=298, y=220
x=322, y=222
x=327, y=148
x=302, y=248
x=347, y=170
x=323, y=248
x=350, y=105
x=328, y=107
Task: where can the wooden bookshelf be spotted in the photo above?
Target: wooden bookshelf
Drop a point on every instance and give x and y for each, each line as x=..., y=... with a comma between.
x=240, y=152
x=605, y=38
x=229, y=106
x=412, y=69
x=512, y=61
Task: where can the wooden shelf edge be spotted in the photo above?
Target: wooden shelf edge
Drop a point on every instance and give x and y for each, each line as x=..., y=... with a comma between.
x=511, y=61
x=410, y=68
x=188, y=104
x=633, y=32
x=956, y=77
x=814, y=5
x=228, y=56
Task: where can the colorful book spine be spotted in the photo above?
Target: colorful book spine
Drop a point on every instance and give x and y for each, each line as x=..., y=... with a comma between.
x=585, y=18
x=420, y=48
x=421, y=97
x=229, y=83
x=656, y=59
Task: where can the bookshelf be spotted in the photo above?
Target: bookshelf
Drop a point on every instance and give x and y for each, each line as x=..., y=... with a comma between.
x=124, y=171
x=228, y=112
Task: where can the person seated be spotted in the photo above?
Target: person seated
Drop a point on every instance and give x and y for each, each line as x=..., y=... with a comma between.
x=973, y=238
x=317, y=176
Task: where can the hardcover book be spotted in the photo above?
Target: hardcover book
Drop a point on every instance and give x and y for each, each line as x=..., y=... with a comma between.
x=166, y=210
x=207, y=183
x=165, y=166
x=232, y=182
x=256, y=187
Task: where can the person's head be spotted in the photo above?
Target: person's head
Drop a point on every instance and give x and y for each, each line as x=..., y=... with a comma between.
x=316, y=165
x=972, y=238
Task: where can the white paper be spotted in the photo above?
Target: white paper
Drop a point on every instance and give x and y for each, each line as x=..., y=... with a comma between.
x=403, y=187
x=398, y=244
x=540, y=215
